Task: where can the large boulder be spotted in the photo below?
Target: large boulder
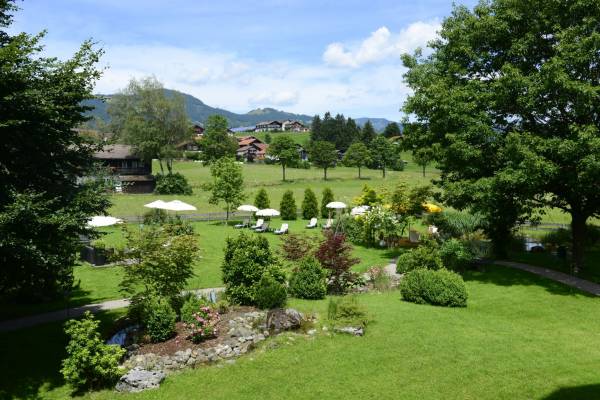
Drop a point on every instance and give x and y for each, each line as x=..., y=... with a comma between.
x=280, y=319
x=139, y=379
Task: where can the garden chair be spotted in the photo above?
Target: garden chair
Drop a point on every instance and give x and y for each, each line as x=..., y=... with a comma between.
x=244, y=224
x=263, y=228
x=312, y=224
x=282, y=230
x=259, y=223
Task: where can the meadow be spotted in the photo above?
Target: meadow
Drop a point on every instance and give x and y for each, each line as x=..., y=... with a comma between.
x=521, y=337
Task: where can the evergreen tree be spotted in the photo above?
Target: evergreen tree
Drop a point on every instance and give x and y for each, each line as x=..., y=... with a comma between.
x=315, y=129
x=392, y=130
x=352, y=131
x=268, y=138
x=326, y=198
x=261, y=201
x=287, y=207
x=368, y=133
x=310, y=206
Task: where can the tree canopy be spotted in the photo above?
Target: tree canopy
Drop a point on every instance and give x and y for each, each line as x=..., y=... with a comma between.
x=227, y=185
x=44, y=203
x=391, y=130
x=216, y=143
x=357, y=155
x=285, y=150
x=143, y=116
x=510, y=95
x=384, y=154
x=323, y=155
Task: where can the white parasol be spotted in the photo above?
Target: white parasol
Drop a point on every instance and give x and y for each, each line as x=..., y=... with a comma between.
x=247, y=207
x=336, y=205
x=177, y=205
x=156, y=204
x=101, y=220
x=267, y=212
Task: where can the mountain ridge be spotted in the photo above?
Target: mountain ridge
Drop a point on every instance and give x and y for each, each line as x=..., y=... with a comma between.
x=198, y=111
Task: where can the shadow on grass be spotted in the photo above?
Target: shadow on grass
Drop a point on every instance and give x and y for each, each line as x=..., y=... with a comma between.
x=575, y=393
x=506, y=276
x=31, y=358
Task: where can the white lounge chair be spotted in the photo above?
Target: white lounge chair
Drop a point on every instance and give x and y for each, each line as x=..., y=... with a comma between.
x=259, y=223
x=312, y=223
x=245, y=223
x=328, y=224
x=282, y=230
x=264, y=227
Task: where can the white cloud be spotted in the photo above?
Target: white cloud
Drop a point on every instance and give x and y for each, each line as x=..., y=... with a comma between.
x=381, y=45
x=275, y=98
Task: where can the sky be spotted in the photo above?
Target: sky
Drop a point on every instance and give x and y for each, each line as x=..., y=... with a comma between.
x=300, y=56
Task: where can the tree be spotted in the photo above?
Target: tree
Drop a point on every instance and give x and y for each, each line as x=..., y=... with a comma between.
x=383, y=153
x=227, y=185
x=315, y=129
x=367, y=134
x=521, y=81
x=261, y=201
x=323, y=155
x=143, y=116
x=357, y=155
x=287, y=207
x=334, y=254
x=310, y=206
x=268, y=138
x=422, y=157
x=284, y=149
x=43, y=205
x=216, y=143
x=392, y=130
x=326, y=198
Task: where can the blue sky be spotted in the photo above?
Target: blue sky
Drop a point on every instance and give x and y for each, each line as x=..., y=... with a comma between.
x=301, y=56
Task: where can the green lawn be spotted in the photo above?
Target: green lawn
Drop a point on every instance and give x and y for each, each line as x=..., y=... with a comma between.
x=521, y=337
x=591, y=272
x=299, y=137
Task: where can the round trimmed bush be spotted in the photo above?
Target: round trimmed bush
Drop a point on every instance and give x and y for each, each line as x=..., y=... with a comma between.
x=436, y=287
x=270, y=293
x=160, y=320
x=455, y=255
x=425, y=256
x=172, y=184
x=309, y=280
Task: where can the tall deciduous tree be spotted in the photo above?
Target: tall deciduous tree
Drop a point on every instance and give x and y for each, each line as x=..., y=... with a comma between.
x=227, y=185
x=323, y=155
x=143, y=116
x=216, y=143
x=422, y=157
x=510, y=93
x=44, y=205
x=284, y=149
x=357, y=155
x=384, y=154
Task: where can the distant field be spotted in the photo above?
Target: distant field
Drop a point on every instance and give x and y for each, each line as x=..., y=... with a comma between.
x=299, y=137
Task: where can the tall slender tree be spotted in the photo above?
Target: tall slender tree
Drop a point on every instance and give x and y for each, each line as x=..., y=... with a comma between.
x=227, y=185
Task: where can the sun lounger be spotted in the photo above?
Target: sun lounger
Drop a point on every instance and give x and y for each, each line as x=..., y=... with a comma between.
x=244, y=224
x=282, y=230
x=259, y=223
x=264, y=227
x=312, y=223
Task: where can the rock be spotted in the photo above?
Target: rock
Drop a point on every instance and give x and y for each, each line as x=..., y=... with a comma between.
x=241, y=331
x=139, y=379
x=280, y=319
x=352, y=330
x=312, y=332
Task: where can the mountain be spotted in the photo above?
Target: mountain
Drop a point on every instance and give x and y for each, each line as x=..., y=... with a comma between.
x=379, y=124
x=198, y=111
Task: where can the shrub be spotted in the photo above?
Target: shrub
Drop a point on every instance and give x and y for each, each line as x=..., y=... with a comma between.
x=155, y=216
x=178, y=227
x=270, y=293
x=346, y=310
x=310, y=206
x=455, y=224
x=308, y=280
x=203, y=324
x=436, y=287
x=455, y=255
x=172, y=184
x=192, y=155
x=262, y=199
x=334, y=254
x=287, y=207
x=89, y=362
x=295, y=247
x=379, y=278
x=426, y=256
x=191, y=305
x=353, y=228
x=327, y=198
x=159, y=319
x=247, y=258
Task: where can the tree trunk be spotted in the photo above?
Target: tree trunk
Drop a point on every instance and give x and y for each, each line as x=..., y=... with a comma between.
x=358, y=172
x=170, y=166
x=325, y=173
x=383, y=171
x=423, y=170
x=578, y=229
x=162, y=170
x=227, y=214
x=283, y=167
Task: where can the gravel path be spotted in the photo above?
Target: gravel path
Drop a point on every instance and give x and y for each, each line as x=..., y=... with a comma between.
x=38, y=319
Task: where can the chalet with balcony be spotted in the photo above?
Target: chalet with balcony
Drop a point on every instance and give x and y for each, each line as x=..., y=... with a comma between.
x=132, y=174
x=251, y=149
x=268, y=126
x=293, y=126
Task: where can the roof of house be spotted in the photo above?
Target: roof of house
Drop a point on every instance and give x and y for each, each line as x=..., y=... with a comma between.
x=269, y=123
x=246, y=140
x=116, y=152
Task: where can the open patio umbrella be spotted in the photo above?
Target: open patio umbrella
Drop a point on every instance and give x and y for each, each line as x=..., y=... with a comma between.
x=178, y=205
x=267, y=212
x=101, y=220
x=247, y=207
x=336, y=205
x=156, y=204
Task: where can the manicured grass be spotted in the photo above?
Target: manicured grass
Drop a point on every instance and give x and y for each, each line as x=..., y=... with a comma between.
x=591, y=271
x=299, y=137
x=521, y=337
